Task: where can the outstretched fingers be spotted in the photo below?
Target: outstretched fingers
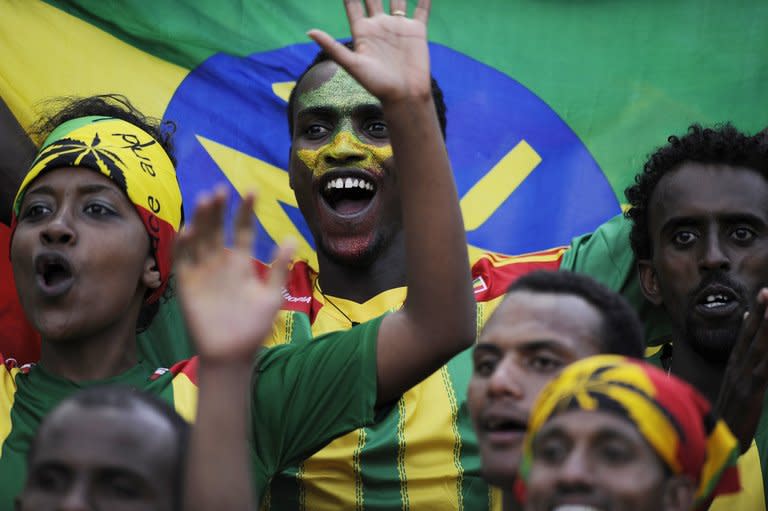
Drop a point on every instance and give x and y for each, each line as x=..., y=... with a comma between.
x=243, y=229
x=373, y=6
x=338, y=52
x=421, y=13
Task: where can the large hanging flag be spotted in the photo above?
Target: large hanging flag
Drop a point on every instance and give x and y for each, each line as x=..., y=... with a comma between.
x=552, y=106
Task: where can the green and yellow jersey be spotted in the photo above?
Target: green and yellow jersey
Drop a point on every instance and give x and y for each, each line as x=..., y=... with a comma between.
x=303, y=397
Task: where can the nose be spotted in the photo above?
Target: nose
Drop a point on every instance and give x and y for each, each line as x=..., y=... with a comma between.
x=76, y=498
x=58, y=231
x=506, y=381
x=574, y=473
x=344, y=148
x=713, y=257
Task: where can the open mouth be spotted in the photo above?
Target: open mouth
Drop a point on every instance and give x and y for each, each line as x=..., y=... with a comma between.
x=347, y=193
x=717, y=300
x=504, y=428
x=54, y=273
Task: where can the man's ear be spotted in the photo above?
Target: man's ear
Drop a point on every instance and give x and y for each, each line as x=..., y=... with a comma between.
x=679, y=493
x=649, y=282
x=151, y=275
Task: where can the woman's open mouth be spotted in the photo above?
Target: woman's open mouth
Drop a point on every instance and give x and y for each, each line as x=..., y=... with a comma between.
x=54, y=274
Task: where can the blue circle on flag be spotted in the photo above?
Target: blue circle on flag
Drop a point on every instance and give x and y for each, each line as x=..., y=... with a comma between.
x=230, y=101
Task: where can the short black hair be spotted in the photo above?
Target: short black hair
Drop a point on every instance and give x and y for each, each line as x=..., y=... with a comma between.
x=65, y=108
x=123, y=397
x=323, y=56
x=622, y=332
x=722, y=144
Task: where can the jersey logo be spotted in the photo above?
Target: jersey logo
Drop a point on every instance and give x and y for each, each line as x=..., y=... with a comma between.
x=525, y=179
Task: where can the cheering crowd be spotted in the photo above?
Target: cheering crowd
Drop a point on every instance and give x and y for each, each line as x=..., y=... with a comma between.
x=626, y=371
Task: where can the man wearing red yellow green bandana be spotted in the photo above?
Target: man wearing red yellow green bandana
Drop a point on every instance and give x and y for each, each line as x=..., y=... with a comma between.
x=613, y=433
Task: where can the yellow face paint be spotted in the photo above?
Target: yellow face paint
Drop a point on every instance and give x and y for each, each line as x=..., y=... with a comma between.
x=343, y=93
x=345, y=145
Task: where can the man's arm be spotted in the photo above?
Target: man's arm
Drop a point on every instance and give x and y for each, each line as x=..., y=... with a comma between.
x=17, y=150
x=230, y=312
x=391, y=60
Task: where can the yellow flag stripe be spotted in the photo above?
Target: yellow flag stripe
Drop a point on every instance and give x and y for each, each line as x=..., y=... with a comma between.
x=83, y=59
x=488, y=194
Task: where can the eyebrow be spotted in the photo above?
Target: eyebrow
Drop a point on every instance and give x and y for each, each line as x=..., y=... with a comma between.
x=327, y=110
x=532, y=345
x=731, y=218
x=83, y=190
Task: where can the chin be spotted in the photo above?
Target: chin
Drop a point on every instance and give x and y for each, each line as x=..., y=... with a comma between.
x=359, y=252
x=498, y=472
x=714, y=345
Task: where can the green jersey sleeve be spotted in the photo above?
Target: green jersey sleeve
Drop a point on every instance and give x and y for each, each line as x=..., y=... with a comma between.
x=606, y=255
x=306, y=395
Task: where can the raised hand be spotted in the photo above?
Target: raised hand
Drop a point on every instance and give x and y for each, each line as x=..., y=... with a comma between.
x=391, y=57
x=229, y=310
x=740, y=401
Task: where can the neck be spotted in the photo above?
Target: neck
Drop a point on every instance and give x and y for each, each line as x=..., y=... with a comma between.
x=509, y=502
x=97, y=356
x=361, y=283
x=705, y=375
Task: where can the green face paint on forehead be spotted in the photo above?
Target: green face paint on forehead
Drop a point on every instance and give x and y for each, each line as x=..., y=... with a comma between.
x=340, y=91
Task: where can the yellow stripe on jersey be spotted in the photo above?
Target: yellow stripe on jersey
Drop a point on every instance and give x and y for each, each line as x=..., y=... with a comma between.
x=7, y=396
x=324, y=468
x=357, y=467
x=329, y=319
x=185, y=397
x=424, y=424
x=84, y=59
x=751, y=495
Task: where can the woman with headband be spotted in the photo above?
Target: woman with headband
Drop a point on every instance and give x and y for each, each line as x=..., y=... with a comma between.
x=93, y=224
x=613, y=433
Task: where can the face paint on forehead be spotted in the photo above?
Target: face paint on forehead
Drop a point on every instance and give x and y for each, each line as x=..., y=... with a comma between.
x=340, y=91
x=343, y=146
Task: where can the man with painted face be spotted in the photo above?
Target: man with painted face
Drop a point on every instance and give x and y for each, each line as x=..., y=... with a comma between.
x=422, y=454
x=700, y=233
x=546, y=321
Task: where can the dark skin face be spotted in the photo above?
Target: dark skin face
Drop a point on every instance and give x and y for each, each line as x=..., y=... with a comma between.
x=529, y=339
x=82, y=264
x=709, y=232
x=342, y=172
x=102, y=458
x=599, y=461
x=75, y=229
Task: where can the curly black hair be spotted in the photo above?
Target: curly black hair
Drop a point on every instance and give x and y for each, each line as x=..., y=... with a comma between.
x=722, y=144
x=62, y=109
x=323, y=56
x=622, y=332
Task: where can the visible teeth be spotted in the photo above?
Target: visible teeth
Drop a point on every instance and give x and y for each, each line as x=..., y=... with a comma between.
x=362, y=184
x=369, y=186
x=339, y=183
x=711, y=298
x=348, y=183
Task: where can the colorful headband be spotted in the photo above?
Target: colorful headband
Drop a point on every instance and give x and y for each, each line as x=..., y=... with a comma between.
x=670, y=414
x=134, y=161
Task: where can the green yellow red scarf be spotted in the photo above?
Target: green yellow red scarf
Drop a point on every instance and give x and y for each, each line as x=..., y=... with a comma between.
x=670, y=414
x=134, y=161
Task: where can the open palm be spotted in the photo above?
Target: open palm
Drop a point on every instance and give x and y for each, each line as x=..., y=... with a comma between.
x=391, y=57
x=229, y=310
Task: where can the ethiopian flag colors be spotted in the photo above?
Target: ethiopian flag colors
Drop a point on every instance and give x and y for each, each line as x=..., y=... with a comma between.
x=552, y=106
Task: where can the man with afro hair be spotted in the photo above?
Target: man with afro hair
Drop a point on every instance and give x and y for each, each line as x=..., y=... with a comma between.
x=699, y=214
